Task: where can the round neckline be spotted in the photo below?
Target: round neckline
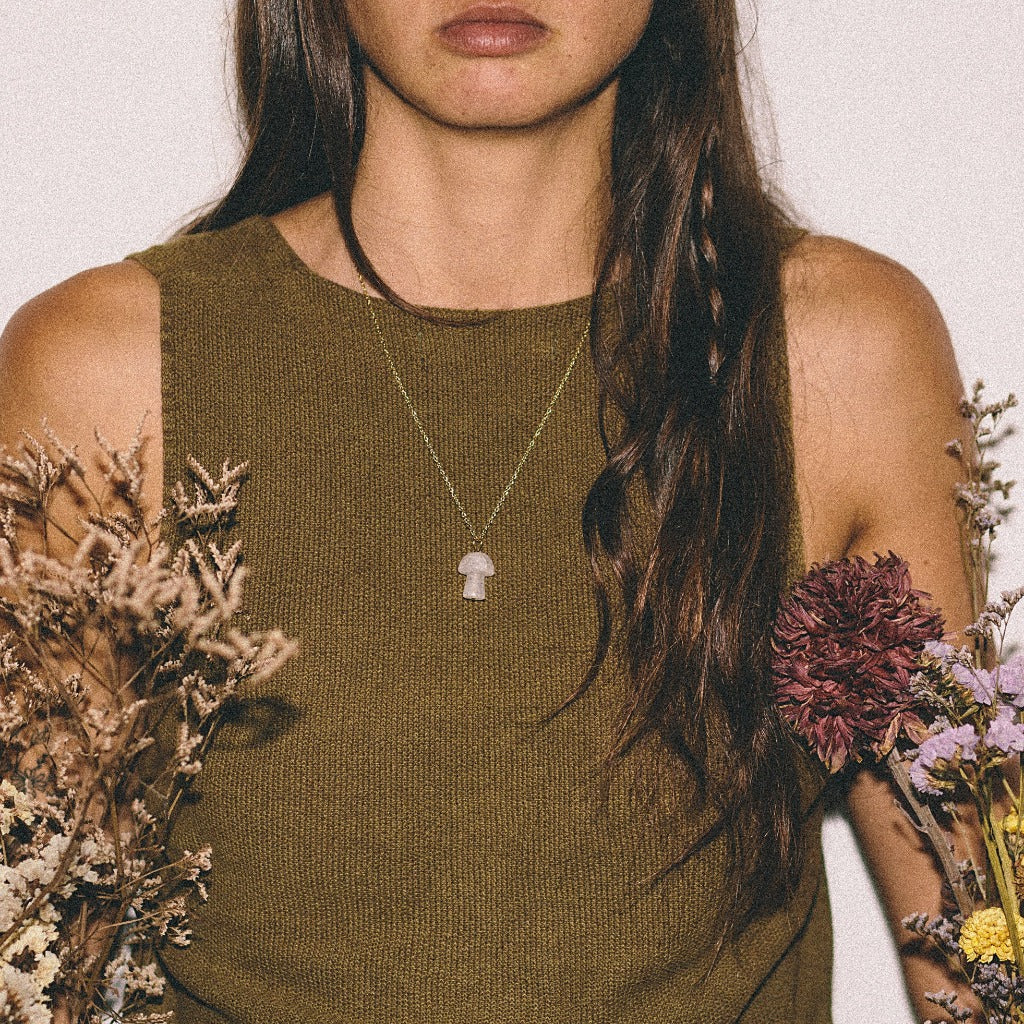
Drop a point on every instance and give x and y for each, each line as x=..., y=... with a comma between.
x=293, y=260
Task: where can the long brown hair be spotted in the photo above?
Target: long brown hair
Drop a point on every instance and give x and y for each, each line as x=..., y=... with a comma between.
x=692, y=254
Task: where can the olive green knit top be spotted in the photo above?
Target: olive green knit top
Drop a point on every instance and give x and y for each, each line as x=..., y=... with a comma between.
x=397, y=837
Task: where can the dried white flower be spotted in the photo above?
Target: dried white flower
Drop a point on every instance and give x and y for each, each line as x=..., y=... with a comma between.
x=15, y=807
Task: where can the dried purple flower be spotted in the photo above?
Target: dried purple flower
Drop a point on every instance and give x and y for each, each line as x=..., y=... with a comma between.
x=1010, y=679
x=846, y=642
x=1005, y=733
x=977, y=681
x=942, y=931
x=944, y=750
x=940, y=651
x=946, y=744
x=949, y=1001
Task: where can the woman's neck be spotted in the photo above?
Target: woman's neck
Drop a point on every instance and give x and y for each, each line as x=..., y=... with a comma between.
x=471, y=219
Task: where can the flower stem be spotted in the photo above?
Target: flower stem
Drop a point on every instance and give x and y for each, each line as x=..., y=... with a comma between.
x=1002, y=868
x=927, y=823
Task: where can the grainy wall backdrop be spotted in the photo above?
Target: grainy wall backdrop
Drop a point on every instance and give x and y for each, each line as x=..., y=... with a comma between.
x=900, y=126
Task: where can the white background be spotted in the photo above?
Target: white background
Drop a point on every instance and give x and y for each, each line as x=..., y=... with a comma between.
x=898, y=125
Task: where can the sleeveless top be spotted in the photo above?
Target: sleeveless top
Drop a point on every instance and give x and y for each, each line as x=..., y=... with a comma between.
x=397, y=838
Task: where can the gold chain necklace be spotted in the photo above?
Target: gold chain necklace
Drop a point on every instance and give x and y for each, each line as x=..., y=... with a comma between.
x=476, y=565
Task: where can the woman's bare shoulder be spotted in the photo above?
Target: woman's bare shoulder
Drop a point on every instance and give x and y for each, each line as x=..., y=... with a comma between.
x=875, y=388
x=85, y=355
x=852, y=303
x=101, y=308
x=864, y=330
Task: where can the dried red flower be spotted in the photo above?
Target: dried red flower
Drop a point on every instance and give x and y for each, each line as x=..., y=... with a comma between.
x=846, y=642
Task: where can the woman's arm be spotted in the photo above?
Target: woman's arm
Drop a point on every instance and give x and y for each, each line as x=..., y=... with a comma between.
x=84, y=355
x=875, y=393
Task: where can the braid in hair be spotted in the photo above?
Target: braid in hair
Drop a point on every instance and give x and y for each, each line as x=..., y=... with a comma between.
x=693, y=258
x=706, y=256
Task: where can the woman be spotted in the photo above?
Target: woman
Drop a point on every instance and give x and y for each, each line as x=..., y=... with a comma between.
x=410, y=824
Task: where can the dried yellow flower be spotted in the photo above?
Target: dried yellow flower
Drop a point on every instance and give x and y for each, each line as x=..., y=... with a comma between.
x=1011, y=823
x=986, y=937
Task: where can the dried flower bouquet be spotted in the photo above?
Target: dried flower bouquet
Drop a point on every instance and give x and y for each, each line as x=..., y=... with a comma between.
x=110, y=636
x=863, y=671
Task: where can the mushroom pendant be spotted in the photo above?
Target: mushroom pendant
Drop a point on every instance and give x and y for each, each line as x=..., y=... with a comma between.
x=476, y=567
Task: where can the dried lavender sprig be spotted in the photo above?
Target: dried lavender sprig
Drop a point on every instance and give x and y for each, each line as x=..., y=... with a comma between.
x=948, y=1001
x=976, y=497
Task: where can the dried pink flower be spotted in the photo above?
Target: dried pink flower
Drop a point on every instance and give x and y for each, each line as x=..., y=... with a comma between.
x=846, y=642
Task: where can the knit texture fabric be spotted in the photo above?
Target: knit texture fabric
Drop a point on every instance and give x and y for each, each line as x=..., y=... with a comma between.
x=397, y=838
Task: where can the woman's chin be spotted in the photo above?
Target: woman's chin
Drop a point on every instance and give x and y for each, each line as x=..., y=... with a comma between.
x=486, y=101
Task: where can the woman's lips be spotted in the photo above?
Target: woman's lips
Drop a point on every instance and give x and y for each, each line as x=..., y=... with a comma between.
x=492, y=31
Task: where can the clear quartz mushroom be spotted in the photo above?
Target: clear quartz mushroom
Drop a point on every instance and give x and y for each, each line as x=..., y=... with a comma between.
x=476, y=567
